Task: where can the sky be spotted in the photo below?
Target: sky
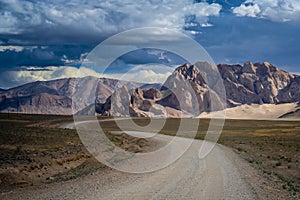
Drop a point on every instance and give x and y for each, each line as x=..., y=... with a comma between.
x=47, y=40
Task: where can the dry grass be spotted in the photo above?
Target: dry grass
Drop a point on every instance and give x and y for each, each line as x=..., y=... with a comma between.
x=34, y=151
x=32, y=145
x=271, y=146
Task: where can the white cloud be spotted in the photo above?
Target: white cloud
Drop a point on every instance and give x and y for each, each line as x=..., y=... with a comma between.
x=191, y=25
x=206, y=25
x=146, y=73
x=139, y=73
x=195, y=32
x=250, y=10
x=30, y=74
x=143, y=76
x=82, y=58
x=102, y=16
x=275, y=10
x=16, y=48
x=11, y=48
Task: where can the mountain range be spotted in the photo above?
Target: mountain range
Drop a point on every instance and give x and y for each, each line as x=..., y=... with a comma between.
x=189, y=91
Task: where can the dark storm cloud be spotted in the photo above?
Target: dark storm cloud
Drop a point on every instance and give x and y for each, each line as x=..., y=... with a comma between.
x=144, y=57
x=252, y=39
x=232, y=31
x=77, y=22
x=41, y=56
x=29, y=56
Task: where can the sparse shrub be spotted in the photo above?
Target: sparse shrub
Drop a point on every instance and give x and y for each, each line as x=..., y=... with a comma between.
x=258, y=162
x=267, y=172
x=284, y=187
x=240, y=149
x=17, y=151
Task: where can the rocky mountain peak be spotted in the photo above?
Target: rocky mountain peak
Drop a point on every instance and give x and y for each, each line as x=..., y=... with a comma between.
x=244, y=84
x=257, y=83
x=248, y=67
x=190, y=72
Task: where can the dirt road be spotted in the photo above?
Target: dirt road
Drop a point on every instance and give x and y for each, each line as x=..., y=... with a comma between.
x=220, y=175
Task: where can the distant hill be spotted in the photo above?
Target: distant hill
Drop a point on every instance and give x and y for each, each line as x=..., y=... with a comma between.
x=55, y=96
x=258, y=83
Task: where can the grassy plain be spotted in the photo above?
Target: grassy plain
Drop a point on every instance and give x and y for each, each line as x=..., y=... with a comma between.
x=33, y=150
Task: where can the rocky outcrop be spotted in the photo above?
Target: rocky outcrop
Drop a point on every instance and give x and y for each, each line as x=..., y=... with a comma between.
x=152, y=93
x=291, y=93
x=259, y=83
x=187, y=90
x=132, y=102
x=191, y=88
x=196, y=88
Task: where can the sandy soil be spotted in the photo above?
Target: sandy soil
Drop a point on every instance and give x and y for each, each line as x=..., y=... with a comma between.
x=255, y=111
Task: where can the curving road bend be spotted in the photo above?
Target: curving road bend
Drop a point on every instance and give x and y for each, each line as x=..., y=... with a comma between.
x=220, y=175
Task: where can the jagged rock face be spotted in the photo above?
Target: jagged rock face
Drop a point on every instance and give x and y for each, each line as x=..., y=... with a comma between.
x=170, y=101
x=120, y=100
x=152, y=93
x=291, y=93
x=257, y=83
x=139, y=105
x=248, y=68
x=179, y=93
x=131, y=102
x=251, y=83
x=125, y=102
x=190, y=73
x=189, y=90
